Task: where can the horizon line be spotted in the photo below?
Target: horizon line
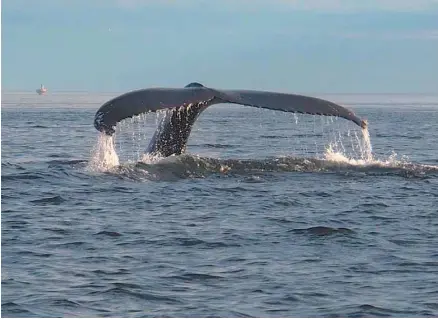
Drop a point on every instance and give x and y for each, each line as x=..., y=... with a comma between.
x=16, y=91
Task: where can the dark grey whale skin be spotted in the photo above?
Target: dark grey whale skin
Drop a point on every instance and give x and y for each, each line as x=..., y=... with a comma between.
x=184, y=105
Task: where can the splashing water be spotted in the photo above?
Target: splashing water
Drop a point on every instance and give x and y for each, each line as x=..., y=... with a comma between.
x=309, y=140
x=362, y=150
x=104, y=156
x=134, y=134
x=392, y=161
x=334, y=157
x=366, y=156
x=152, y=159
x=366, y=148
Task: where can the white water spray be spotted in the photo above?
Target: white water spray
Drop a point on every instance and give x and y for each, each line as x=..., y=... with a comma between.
x=336, y=152
x=104, y=156
x=134, y=134
x=366, y=148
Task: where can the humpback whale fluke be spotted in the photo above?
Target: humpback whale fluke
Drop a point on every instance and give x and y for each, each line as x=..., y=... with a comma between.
x=184, y=106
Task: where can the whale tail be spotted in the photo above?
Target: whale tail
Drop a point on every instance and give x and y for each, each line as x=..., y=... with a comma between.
x=174, y=130
x=184, y=105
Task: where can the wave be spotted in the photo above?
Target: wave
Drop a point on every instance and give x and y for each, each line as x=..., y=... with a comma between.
x=189, y=166
x=105, y=159
x=193, y=166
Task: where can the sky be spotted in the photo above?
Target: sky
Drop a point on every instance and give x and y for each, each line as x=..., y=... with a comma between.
x=324, y=46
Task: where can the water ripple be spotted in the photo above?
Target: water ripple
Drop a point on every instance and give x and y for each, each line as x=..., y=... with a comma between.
x=247, y=224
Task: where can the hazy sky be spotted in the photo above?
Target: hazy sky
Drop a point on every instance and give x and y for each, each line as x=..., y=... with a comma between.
x=325, y=46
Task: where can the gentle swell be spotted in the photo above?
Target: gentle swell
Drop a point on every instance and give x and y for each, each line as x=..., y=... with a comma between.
x=188, y=166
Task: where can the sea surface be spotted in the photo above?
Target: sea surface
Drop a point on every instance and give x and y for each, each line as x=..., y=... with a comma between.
x=267, y=214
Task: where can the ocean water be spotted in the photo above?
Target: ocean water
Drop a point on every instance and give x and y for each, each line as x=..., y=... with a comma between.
x=268, y=214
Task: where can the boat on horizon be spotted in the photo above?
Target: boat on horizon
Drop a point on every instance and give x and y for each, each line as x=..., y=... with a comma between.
x=42, y=90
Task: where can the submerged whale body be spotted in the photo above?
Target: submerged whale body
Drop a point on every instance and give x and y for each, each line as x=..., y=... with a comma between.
x=186, y=104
